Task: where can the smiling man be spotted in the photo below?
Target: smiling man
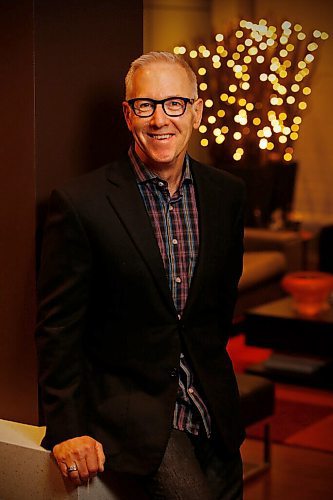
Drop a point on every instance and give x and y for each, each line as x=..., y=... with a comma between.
x=140, y=266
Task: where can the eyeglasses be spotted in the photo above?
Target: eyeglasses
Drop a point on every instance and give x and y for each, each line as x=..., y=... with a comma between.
x=172, y=106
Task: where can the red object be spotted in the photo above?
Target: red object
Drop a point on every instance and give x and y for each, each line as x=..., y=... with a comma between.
x=309, y=289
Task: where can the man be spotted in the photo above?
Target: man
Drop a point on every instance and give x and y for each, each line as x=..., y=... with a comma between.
x=140, y=266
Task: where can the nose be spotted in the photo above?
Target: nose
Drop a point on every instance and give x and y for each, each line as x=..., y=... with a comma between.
x=159, y=118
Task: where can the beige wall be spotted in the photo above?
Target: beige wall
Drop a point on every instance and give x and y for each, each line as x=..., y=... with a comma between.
x=169, y=23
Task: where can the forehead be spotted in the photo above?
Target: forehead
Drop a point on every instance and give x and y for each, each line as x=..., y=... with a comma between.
x=161, y=79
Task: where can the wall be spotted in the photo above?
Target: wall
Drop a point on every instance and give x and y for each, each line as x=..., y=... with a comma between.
x=62, y=68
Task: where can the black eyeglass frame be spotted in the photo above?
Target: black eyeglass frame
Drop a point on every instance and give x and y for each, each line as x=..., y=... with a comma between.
x=154, y=102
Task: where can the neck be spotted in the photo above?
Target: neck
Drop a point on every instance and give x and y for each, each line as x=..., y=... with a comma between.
x=169, y=174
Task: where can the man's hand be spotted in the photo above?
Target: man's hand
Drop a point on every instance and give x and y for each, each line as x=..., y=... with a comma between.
x=83, y=455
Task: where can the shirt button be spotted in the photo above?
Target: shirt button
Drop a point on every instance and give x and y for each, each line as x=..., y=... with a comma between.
x=178, y=279
x=190, y=390
x=175, y=241
x=171, y=208
x=179, y=316
x=161, y=184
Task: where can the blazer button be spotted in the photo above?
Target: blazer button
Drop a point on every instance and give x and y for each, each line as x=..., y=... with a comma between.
x=174, y=372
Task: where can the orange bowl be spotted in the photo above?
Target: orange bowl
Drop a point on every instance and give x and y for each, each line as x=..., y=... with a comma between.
x=310, y=290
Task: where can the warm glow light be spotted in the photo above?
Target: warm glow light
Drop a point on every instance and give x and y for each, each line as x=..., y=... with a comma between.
x=220, y=139
x=263, y=143
x=269, y=66
x=312, y=47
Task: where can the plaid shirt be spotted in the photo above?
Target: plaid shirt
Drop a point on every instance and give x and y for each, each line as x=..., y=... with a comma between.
x=175, y=223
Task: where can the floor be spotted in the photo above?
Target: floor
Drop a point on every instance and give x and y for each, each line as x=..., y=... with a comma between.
x=296, y=474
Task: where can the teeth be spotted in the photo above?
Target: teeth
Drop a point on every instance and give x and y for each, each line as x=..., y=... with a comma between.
x=160, y=136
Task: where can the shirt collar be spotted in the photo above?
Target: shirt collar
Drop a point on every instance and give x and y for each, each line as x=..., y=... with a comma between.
x=144, y=174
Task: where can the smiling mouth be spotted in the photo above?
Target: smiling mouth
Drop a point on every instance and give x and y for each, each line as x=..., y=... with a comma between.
x=161, y=137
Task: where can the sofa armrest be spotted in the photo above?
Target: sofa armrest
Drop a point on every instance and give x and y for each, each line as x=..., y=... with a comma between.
x=288, y=242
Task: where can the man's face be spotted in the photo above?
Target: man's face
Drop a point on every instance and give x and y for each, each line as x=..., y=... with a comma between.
x=162, y=140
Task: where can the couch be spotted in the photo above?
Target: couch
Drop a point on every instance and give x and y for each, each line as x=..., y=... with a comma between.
x=268, y=256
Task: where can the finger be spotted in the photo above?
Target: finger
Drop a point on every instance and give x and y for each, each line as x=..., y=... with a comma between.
x=73, y=476
x=83, y=470
x=100, y=456
x=92, y=464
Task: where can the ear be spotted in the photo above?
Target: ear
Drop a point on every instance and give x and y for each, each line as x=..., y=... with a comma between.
x=198, y=109
x=128, y=115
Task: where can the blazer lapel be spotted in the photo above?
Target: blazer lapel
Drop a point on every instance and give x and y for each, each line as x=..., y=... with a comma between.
x=210, y=225
x=124, y=196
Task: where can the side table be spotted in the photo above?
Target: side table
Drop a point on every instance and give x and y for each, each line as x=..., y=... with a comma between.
x=303, y=346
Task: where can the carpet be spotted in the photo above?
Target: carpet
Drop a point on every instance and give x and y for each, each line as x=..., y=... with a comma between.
x=299, y=424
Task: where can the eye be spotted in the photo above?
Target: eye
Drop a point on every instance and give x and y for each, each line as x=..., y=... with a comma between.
x=144, y=105
x=175, y=104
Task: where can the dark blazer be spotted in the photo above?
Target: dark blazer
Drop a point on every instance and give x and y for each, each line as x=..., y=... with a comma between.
x=108, y=335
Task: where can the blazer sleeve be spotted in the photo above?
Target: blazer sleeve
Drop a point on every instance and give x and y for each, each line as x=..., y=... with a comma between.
x=63, y=295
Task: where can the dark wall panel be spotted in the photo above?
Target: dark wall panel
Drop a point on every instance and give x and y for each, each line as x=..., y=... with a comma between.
x=83, y=49
x=62, y=65
x=18, y=391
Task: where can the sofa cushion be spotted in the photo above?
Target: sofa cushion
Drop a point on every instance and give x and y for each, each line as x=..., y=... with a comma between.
x=260, y=267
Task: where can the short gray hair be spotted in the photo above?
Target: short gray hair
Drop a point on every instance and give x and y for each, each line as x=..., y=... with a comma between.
x=154, y=57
